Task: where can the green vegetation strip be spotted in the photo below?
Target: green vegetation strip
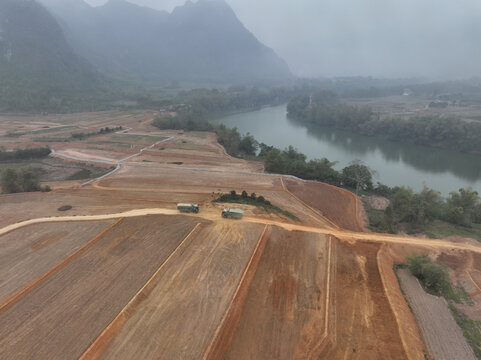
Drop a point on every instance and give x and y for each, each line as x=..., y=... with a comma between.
x=24, y=154
x=325, y=109
x=254, y=200
x=102, y=131
x=434, y=278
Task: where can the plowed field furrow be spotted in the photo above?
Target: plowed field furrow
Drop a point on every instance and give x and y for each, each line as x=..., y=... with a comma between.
x=338, y=205
x=444, y=338
x=61, y=317
x=181, y=314
x=284, y=314
x=365, y=324
x=30, y=252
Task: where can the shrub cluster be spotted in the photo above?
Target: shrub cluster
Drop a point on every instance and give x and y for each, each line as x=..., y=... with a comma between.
x=106, y=130
x=24, y=154
x=26, y=180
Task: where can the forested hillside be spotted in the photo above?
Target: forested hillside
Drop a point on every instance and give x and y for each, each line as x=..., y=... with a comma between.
x=203, y=42
x=38, y=69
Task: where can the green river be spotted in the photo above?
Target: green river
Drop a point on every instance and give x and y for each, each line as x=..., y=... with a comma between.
x=395, y=163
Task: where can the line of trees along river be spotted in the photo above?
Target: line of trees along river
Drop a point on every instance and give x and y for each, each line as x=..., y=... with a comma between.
x=396, y=164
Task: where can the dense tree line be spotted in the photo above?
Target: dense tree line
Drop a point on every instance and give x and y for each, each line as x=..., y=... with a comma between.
x=24, y=154
x=414, y=210
x=291, y=162
x=435, y=131
x=187, y=120
x=26, y=180
x=407, y=208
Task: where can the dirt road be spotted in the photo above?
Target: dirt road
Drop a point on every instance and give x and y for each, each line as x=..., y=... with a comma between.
x=341, y=234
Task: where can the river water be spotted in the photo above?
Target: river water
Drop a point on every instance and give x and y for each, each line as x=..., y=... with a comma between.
x=395, y=163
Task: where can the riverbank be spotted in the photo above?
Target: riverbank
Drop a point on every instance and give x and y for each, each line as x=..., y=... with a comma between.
x=396, y=164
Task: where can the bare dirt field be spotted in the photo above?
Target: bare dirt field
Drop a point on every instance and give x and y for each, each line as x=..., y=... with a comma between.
x=286, y=301
x=337, y=205
x=365, y=325
x=194, y=290
x=197, y=286
x=32, y=251
x=444, y=338
x=61, y=317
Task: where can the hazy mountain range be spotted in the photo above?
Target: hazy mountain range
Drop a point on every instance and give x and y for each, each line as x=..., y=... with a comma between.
x=60, y=53
x=36, y=62
x=201, y=42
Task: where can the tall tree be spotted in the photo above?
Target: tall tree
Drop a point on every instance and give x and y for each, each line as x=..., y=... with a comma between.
x=358, y=176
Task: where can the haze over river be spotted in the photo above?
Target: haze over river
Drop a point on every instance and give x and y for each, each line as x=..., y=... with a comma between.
x=395, y=163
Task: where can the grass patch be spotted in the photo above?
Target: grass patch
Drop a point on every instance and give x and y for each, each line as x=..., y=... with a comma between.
x=186, y=143
x=420, y=267
x=376, y=220
x=440, y=229
x=434, y=277
x=54, y=169
x=199, y=135
x=53, y=129
x=80, y=175
x=15, y=134
x=52, y=139
x=110, y=143
x=137, y=138
x=254, y=200
x=87, y=171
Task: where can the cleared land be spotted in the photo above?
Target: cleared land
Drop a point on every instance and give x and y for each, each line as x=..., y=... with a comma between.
x=444, y=338
x=30, y=252
x=109, y=280
x=365, y=325
x=286, y=301
x=339, y=206
x=194, y=290
x=61, y=317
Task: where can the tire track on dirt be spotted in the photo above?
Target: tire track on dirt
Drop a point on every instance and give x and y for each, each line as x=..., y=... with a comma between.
x=118, y=163
x=316, y=212
x=225, y=331
x=36, y=282
x=329, y=326
x=96, y=349
x=411, y=344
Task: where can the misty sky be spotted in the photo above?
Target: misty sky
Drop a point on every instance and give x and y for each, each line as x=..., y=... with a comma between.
x=387, y=38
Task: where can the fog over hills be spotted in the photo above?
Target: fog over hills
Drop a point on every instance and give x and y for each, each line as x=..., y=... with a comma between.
x=36, y=62
x=388, y=38
x=201, y=42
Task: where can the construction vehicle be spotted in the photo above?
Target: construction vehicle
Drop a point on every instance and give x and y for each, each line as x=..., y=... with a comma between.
x=232, y=213
x=188, y=208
